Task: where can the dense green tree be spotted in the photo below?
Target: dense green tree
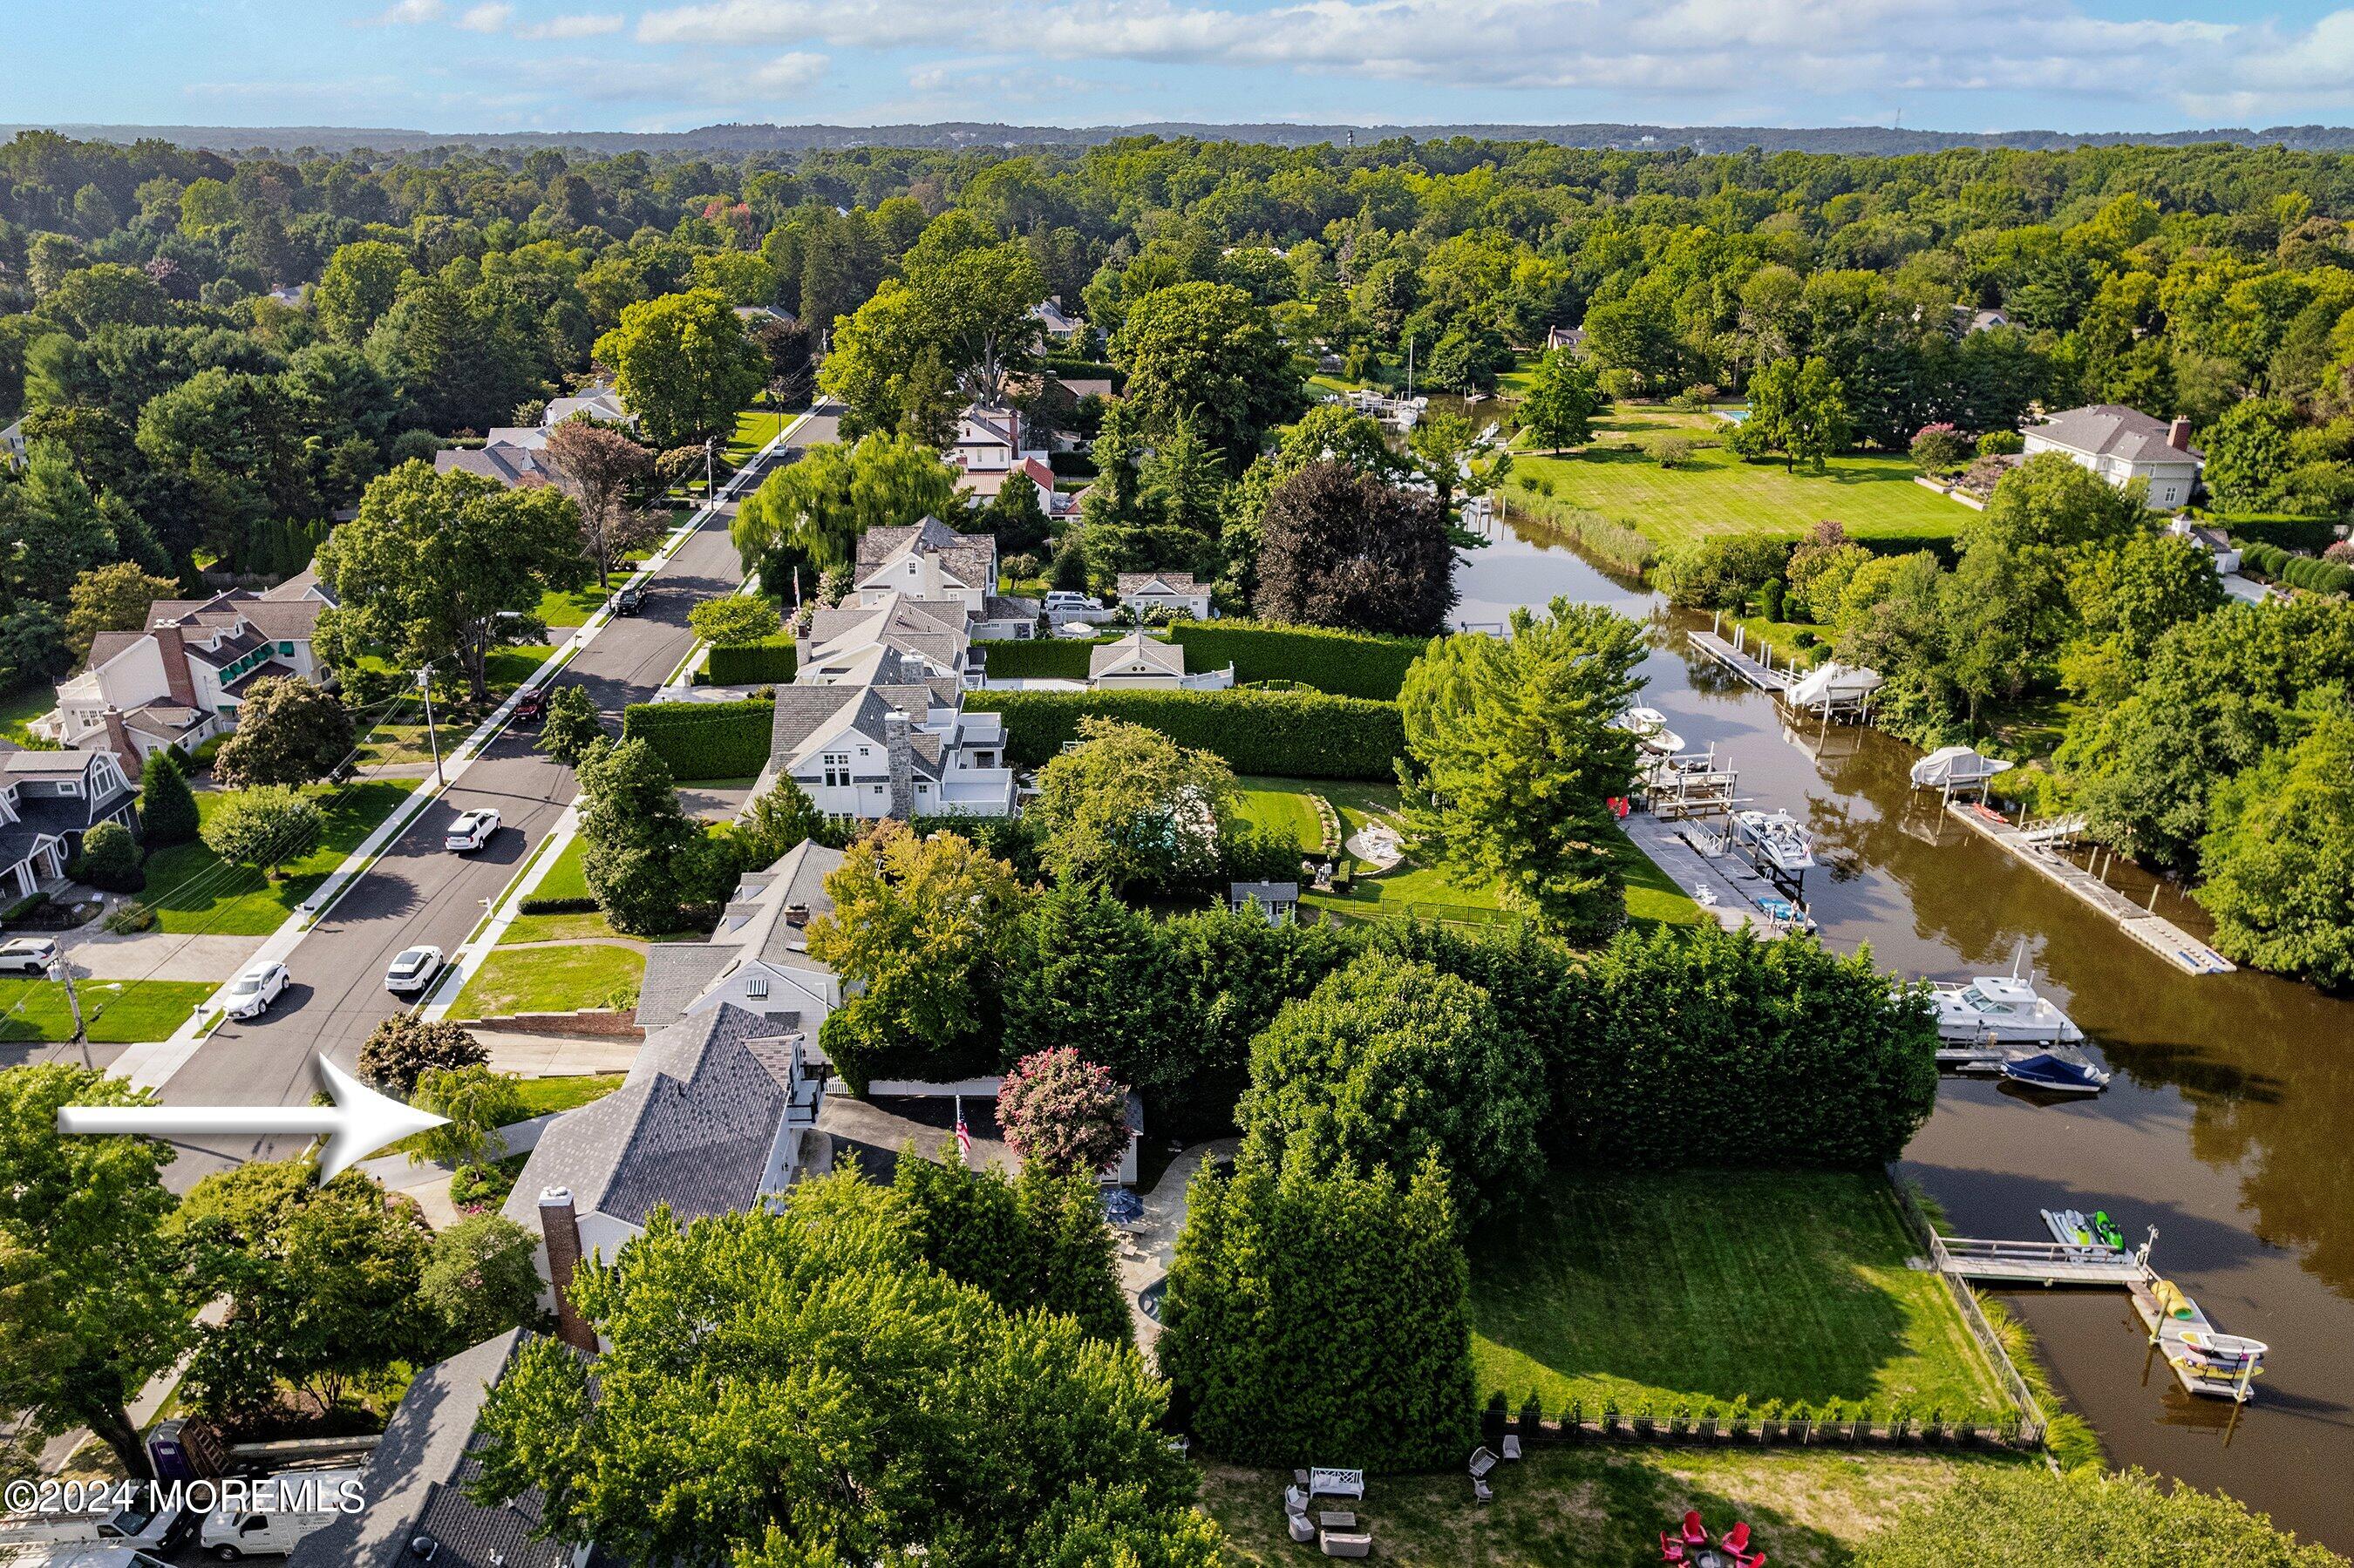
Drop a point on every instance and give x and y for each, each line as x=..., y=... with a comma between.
x=51, y=528
x=683, y=365
x=911, y=1412
x=479, y=1279
x=1208, y=352
x=2028, y=1517
x=95, y=1302
x=168, y=807
x=264, y=827
x=643, y=854
x=2278, y=858
x=1036, y=1241
x=735, y=619
x=2248, y=454
x=1131, y=807
x=572, y=725
x=288, y=732
x=1512, y=759
x=1563, y=398
x=357, y=287
x=1798, y=409
x=113, y=598
x=1088, y=971
x=109, y=859
x=473, y=1102
x=777, y=822
x=1390, y=1063
x=403, y=1048
x=813, y=512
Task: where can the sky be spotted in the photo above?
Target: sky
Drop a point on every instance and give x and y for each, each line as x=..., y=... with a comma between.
x=602, y=65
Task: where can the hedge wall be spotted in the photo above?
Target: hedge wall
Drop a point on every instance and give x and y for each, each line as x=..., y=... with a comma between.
x=753, y=664
x=1345, y=663
x=1044, y=659
x=2298, y=571
x=1300, y=735
x=2310, y=534
x=704, y=740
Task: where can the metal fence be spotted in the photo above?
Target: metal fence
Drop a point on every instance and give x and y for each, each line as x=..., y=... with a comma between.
x=2033, y=1423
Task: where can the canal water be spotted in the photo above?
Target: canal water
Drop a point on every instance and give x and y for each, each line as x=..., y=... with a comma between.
x=2229, y=1125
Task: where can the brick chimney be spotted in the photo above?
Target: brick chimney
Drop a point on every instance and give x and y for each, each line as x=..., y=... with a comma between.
x=171, y=642
x=561, y=1226
x=118, y=741
x=2178, y=434
x=902, y=756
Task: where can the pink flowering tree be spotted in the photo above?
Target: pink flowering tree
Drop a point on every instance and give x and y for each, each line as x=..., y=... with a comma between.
x=1063, y=1114
x=1939, y=447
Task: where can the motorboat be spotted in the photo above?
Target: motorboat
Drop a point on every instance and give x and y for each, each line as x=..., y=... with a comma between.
x=1955, y=768
x=1650, y=729
x=1776, y=838
x=1833, y=687
x=2056, y=1072
x=2001, y=1010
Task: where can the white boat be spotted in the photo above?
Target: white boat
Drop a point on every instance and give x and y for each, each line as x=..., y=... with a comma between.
x=1955, y=768
x=1834, y=687
x=1776, y=838
x=2227, y=1353
x=2003, y=1009
x=1650, y=729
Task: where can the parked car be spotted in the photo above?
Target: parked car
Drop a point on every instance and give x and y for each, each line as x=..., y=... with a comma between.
x=259, y=985
x=413, y=972
x=307, y=1501
x=133, y=1525
x=630, y=600
x=472, y=831
x=27, y=955
x=1069, y=598
x=532, y=707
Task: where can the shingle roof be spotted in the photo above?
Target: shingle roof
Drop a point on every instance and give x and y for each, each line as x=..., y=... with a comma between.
x=877, y=546
x=511, y=466
x=1131, y=583
x=754, y=925
x=2112, y=430
x=692, y=1127
x=107, y=644
x=1165, y=657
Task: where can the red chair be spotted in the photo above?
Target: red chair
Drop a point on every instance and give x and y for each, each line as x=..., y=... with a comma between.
x=1695, y=1533
x=1671, y=1549
x=1757, y=1561
x=1737, y=1540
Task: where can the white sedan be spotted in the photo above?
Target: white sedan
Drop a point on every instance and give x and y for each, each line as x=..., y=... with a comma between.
x=472, y=831
x=413, y=970
x=250, y=994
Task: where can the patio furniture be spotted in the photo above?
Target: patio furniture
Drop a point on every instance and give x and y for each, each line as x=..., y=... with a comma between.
x=1336, y=1483
x=1336, y=1521
x=1512, y=1446
x=1695, y=1532
x=1482, y=1461
x=1300, y=1477
x=1346, y=1544
x=1301, y=1531
x=1737, y=1540
x=1671, y=1549
x=1480, y=1491
x=1295, y=1500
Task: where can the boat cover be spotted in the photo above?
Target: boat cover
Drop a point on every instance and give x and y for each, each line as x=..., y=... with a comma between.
x=1953, y=765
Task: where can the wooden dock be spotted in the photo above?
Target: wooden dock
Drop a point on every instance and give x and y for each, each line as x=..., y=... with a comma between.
x=2034, y=845
x=1729, y=888
x=1736, y=657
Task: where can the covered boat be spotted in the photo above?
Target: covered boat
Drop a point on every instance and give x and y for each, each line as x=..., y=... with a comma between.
x=2056, y=1072
x=2003, y=1009
x=1776, y=838
x=1955, y=768
x=1834, y=687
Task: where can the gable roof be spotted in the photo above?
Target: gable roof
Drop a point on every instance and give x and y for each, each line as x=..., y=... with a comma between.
x=510, y=466
x=692, y=1127
x=754, y=925
x=2114, y=430
x=1164, y=658
x=1133, y=583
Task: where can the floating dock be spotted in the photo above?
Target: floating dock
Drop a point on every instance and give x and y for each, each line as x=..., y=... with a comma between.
x=2035, y=844
x=2069, y=1263
x=1729, y=888
x=1738, y=657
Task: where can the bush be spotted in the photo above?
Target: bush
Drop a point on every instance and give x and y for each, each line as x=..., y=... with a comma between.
x=127, y=918
x=736, y=620
x=479, y=1278
x=1771, y=598
x=1344, y=664
x=557, y=906
x=704, y=740
x=265, y=827
x=1297, y=734
x=1045, y=658
x=23, y=907
x=2001, y=443
x=752, y=664
x=479, y=1187
x=1939, y=447
x=167, y=809
x=404, y=1046
x=1724, y=570
x=109, y=860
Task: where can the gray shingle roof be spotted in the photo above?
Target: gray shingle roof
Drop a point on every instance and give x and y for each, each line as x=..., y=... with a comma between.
x=2112, y=430
x=1164, y=658
x=677, y=973
x=692, y=1127
x=754, y=925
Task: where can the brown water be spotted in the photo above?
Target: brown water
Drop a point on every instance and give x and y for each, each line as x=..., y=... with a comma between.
x=2230, y=1124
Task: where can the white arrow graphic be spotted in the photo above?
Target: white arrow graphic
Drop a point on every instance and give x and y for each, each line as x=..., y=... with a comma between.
x=360, y=1122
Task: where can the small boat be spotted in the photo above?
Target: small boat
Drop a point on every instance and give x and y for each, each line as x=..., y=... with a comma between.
x=1650, y=729
x=2056, y=1072
x=1776, y=838
x=2105, y=1231
x=1955, y=768
x=2072, y=1228
x=2001, y=1009
x=2226, y=1353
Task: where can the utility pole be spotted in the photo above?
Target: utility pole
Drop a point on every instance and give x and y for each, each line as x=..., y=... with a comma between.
x=62, y=973
x=710, y=484
x=425, y=685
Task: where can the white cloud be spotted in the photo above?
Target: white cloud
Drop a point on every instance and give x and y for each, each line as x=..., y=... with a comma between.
x=787, y=73
x=592, y=25
x=489, y=18
x=404, y=12
x=887, y=24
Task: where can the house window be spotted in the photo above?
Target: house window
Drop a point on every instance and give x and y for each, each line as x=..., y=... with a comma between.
x=756, y=987
x=286, y=649
x=837, y=770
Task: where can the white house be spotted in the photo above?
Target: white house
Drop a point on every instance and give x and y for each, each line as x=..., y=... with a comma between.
x=12, y=441
x=1054, y=321
x=1138, y=663
x=931, y=562
x=2214, y=541
x=759, y=959
x=889, y=742
x=1175, y=592
x=2122, y=445
x=991, y=451
x=49, y=799
x=182, y=680
x=600, y=400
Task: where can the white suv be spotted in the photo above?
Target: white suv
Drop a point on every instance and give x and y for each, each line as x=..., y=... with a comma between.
x=27, y=955
x=413, y=972
x=472, y=831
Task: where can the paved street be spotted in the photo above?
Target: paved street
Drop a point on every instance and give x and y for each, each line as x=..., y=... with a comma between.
x=419, y=893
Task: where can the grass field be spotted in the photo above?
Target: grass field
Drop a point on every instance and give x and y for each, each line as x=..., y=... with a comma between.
x=551, y=980
x=1683, y=1288
x=114, y=1012
x=1600, y=1508
x=191, y=889
x=1872, y=496
x=20, y=708
x=755, y=428
x=1281, y=805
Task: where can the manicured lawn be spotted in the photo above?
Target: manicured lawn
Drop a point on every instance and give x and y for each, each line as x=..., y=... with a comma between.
x=551, y=980
x=20, y=708
x=565, y=879
x=573, y=607
x=114, y=1011
x=1420, y=891
x=1592, y=1507
x=755, y=428
x=191, y=889
x=1683, y=1288
x=541, y=1095
x=1715, y=492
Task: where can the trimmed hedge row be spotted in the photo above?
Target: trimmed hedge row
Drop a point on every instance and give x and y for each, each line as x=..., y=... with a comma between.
x=557, y=906
x=2298, y=571
x=1304, y=735
x=1344, y=664
x=704, y=740
x=1043, y=658
x=2310, y=534
x=753, y=664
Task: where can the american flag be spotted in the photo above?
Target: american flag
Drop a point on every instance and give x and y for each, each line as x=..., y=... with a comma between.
x=964, y=1134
